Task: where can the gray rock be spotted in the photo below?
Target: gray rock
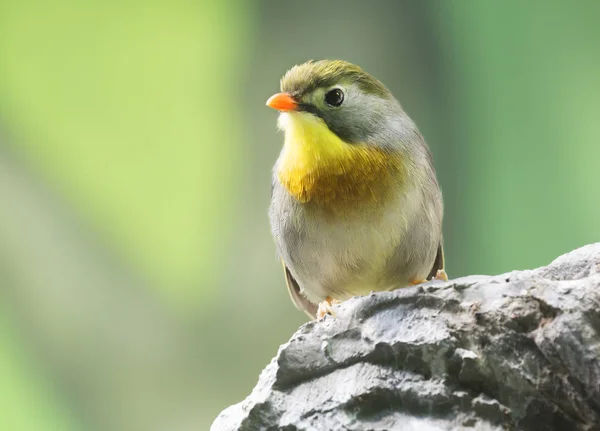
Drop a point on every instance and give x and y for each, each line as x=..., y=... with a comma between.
x=515, y=351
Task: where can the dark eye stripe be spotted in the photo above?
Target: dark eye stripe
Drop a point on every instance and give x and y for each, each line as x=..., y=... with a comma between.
x=306, y=107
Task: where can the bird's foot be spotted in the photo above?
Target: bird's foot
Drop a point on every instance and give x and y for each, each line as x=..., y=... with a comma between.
x=325, y=307
x=441, y=275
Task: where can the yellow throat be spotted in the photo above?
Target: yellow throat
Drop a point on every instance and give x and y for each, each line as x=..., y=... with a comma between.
x=316, y=166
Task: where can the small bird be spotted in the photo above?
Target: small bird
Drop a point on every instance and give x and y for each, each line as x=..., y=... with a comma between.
x=355, y=205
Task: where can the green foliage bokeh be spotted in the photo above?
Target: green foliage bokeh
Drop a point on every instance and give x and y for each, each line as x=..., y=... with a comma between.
x=125, y=108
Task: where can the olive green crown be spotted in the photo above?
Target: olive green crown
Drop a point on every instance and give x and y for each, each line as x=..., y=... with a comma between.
x=306, y=77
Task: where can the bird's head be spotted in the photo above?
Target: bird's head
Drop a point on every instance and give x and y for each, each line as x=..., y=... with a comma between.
x=343, y=98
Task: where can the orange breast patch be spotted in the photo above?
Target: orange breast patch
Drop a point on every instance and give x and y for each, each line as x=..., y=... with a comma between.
x=362, y=175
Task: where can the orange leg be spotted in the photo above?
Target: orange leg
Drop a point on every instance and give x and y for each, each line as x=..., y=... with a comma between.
x=325, y=307
x=441, y=275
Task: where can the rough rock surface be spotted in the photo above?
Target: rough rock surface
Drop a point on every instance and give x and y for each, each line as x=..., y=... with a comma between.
x=515, y=351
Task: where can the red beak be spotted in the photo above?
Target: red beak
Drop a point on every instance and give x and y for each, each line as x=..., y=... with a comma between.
x=282, y=102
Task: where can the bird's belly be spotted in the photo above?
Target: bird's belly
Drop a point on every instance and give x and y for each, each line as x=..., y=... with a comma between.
x=345, y=258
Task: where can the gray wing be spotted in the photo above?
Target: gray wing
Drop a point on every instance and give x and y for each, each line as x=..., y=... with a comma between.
x=298, y=298
x=438, y=263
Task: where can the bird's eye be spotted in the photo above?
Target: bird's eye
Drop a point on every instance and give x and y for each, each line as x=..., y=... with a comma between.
x=335, y=97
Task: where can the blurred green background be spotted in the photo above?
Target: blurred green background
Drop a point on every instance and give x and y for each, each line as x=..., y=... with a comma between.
x=139, y=287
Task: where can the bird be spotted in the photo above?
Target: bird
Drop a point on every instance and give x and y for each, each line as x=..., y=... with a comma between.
x=355, y=203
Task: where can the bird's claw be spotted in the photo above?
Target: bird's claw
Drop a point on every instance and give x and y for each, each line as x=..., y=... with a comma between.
x=441, y=275
x=326, y=307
